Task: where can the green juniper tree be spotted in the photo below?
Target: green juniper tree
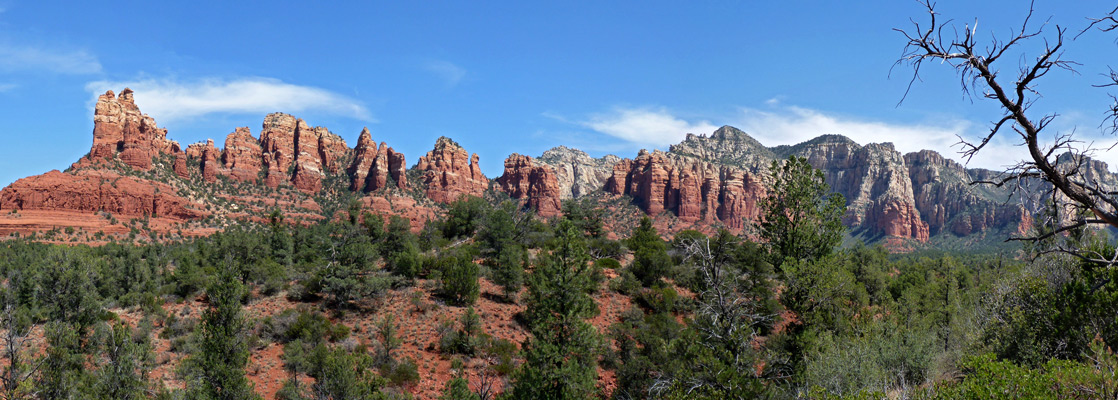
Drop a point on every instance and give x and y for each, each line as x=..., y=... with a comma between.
x=561, y=358
x=217, y=370
x=800, y=220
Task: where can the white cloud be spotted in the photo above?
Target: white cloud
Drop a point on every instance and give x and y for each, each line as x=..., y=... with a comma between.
x=169, y=99
x=646, y=126
x=26, y=58
x=4, y=87
x=788, y=125
x=447, y=71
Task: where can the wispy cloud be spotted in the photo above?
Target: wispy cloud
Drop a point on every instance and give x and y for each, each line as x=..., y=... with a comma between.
x=170, y=99
x=655, y=127
x=14, y=57
x=779, y=124
x=447, y=71
x=4, y=87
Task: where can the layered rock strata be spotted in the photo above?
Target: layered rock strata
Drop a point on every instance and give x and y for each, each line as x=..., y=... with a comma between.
x=691, y=189
x=536, y=184
x=450, y=172
x=372, y=168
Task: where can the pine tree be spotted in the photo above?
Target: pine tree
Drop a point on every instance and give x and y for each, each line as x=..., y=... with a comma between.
x=562, y=356
x=217, y=371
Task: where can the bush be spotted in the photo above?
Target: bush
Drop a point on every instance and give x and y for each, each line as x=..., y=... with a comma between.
x=458, y=279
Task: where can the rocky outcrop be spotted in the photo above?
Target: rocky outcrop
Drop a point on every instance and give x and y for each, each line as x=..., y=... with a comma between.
x=398, y=168
x=120, y=128
x=450, y=172
x=946, y=200
x=873, y=179
x=97, y=191
x=691, y=189
x=242, y=156
x=372, y=168
x=180, y=166
x=209, y=163
x=295, y=152
x=364, y=155
x=536, y=185
x=331, y=149
x=277, y=142
x=578, y=174
x=726, y=145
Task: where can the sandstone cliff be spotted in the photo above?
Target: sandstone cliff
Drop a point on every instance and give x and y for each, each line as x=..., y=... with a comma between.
x=450, y=172
x=119, y=129
x=371, y=168
x=536, y=184
x=690, y=188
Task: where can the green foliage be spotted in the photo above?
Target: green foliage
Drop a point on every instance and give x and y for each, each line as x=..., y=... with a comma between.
x=561, y=358
x=458, y=388
x=123, y=363
x=63, y=373
x=800, y=221
x=884, y=355
x=400, y=249
x=467, y=339
x=988, y=378
x=458, y=280
x=586, y=216
x=719, y=358
x=651, y=262
x=337, y=373
x=217, y=370
x=464, y=216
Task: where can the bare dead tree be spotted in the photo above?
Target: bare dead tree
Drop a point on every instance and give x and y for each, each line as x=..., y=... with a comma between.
x=19, y=369
x=1058, y=170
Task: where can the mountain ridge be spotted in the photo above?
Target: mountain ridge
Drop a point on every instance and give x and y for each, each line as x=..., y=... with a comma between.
x=703, y=182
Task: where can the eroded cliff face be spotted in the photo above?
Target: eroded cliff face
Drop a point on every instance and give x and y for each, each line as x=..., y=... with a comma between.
x=242, y=156
x=536, y=184
x=577, y=173
x=690, y=188
x=873, y=178
x=97, y=191
x=450, y=172
x=372, y=168
x=121, y=130
x=946, y=200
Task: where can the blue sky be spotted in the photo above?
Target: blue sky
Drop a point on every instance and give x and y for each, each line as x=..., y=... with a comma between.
x=504, y=77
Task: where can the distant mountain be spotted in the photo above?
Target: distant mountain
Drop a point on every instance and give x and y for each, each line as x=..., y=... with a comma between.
x=134, y=173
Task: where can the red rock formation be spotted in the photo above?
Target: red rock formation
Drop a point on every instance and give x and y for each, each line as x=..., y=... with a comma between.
x=372, y=167
x=242, y=155
x=180, y=166
x=96, y=191
x=946, y=200
x=537, y=184
x=118, y=126
x=209, y=163
x=691, y=189
x=378, y=174
x=875, y=182
x=331, y=148
x=363, y=157
x=450, y=172
x=398, y=168
x=277, y=141
x=294, y=152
